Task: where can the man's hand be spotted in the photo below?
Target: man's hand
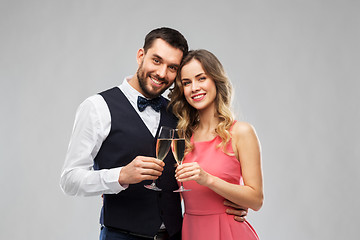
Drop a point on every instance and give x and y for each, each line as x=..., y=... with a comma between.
x=239, y=212
x=140, y=169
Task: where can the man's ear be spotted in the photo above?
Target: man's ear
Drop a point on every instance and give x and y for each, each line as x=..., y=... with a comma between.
x=140, y=56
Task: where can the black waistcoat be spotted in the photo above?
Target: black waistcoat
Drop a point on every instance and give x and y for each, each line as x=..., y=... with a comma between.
x=137, y=209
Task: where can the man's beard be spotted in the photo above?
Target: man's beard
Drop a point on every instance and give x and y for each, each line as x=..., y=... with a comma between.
x=141, y=76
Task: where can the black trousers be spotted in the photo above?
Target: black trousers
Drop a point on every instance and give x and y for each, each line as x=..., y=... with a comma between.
x=117, y=234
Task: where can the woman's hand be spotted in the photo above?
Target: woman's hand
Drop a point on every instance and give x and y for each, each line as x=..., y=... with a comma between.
x=192, y=171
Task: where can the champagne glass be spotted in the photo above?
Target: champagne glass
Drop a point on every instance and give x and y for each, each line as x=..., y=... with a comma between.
x=178, y=150
x=162, y=148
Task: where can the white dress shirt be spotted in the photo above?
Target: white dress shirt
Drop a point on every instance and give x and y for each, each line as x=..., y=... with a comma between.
x=92, y=126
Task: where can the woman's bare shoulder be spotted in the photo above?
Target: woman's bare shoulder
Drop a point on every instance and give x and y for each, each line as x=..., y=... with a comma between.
x=242, y=129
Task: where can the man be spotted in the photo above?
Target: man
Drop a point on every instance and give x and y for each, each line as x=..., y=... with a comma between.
x=113, y=143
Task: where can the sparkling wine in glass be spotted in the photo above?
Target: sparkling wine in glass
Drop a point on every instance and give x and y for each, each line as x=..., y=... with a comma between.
x=162, y=148
x=178, y=150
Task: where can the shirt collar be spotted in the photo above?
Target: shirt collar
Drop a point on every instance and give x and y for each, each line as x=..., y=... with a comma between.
x=130, y=92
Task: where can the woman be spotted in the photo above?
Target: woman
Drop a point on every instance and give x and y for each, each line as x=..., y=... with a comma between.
x=222, y=155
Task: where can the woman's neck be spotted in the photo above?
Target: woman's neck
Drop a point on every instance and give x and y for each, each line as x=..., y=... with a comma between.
x=208, y=121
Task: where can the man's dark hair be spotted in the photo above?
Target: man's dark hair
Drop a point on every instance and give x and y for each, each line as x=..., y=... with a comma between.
x=169, y=35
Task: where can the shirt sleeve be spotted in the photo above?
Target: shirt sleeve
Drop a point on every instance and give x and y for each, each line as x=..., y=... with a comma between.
x=91, y=127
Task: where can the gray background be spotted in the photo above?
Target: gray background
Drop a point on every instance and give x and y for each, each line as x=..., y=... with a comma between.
x=294, y=66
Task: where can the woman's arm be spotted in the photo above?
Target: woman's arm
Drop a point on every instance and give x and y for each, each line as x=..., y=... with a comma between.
x=247, y=150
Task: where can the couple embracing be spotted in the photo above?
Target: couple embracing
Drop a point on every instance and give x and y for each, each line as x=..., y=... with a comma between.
x=113, y=143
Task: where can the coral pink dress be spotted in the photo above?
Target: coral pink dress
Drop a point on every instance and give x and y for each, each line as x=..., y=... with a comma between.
x=205, y=216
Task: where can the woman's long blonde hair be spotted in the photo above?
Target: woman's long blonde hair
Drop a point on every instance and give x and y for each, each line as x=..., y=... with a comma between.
x=189, y=116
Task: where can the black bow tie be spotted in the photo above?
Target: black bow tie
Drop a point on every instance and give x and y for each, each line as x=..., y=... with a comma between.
x=155, y=103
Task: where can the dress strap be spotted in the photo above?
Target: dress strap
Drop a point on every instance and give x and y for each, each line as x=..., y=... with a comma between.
x=233, y=124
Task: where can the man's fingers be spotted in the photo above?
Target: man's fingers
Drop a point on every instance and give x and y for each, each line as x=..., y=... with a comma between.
x=149, y=163
x=151, y=166
x=239, y=215
x=239, y=219
x=233, y=205
x=151, y=172
x=149, y=177
x=153, y=160
x=229, y=204
x=140, y=169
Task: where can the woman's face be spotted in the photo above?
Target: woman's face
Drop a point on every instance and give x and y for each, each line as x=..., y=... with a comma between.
x=199, y=89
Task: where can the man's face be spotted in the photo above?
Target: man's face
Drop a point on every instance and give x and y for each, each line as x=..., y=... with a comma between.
x=157, y=68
